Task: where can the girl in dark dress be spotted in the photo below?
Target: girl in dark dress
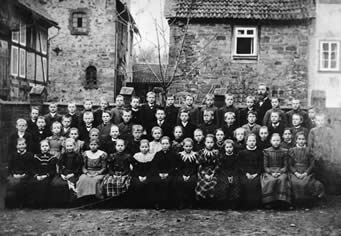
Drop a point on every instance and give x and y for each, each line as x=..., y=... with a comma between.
x=140, y=189
x=263, y=140
x=44, y=169
x=199, y=142
x=207, y=171
x=186, y=175
x=239, y=135
x=287, y=141
x=220, y=137
x=19, y=168
x=228, y=185
x=250, y=164
x=178, y=138
x=63, y=185
x=163, y=171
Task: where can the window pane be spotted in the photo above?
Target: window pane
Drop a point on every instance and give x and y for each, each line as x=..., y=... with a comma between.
x=43, y=37
x=333, y=55
x=22, y=63
x=79, y=22
x=23, y=35
x=245, y=46
x=45, y=68
x=325, y=46
x=240, y=32
x=334, y=47
x=250, y=32
x=15, y=36
x=325, y=56
x=14, y=60
x=325, y=64
x=333, y=64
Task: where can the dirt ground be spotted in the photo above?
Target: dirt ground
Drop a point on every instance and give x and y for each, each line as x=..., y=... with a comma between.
x=321, y=220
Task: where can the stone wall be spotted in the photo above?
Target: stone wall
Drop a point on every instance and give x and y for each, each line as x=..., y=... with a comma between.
x=206, y=62
x=67, y=69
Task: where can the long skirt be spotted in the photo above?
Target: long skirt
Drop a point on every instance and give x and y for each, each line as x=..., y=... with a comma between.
x=89, y=185
x=275, y=189
x=226, y=192
x=140, y=193
x=204, y=189
x=306, y=188
x=16, y=191
x=115, y=185
x=184, y=191
x=62, y=191
x=251, y=192
x=162, y=190
x=38, y=192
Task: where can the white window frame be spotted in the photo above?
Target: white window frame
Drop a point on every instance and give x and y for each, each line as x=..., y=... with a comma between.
x=337, y=68
x=14, y=70
x=22, y=63
x=237, y=35
x=22, y=34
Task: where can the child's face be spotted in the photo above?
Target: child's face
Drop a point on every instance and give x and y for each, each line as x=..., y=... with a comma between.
x=251, y=118
x=41, y=123
x=209, y=101
x=66, y=122
x=87, y=105
x=21, y=127
x=114, y=132
x=249, y=102
x=228, y=101
x=207, y=117
x=320, y=121
x=137, y=134
x=189, y=101
x=274, y=118
x=34, y=114
x=229, y=148
x=275, y=141
x=21, y=146
x=170, y=101
x=165, y=144
x=53, y=108
x=69, y=146
x=274, y=103
x=229, y=119
x=188, y=147
x=144, y=148
x=74, y=134
x=295, y=104
x=103, y=104
x=177, y=133
x=219, y=136
x=44, y=147
x=184, y=117
x=300, y=140
x=135, y=103
x=56, y=129
x=93, y=135
x=311, y=114
x=71, y=108
x=251, y=142
x=240, y=135
x=151, y=98
x=119, y=101
x=126, y=117
x=198, y=136
x=88, y=119
x=263, y=133
x=160, y=115
x=287, y=135
x=157, y=134
x=296, y=120
x=209, y=143
x=105, y=117
x=120, y=146
x=93, y=146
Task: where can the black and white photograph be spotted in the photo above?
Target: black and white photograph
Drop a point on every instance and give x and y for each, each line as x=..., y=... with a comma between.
x=170, y=117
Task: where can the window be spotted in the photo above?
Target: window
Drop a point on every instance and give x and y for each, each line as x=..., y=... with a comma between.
x=22, y=63
x=14, y=60
x=91, y=77
x=329, y=55
x=245, y=42
x=79, y=22
x=23, y=35
x=41, y=37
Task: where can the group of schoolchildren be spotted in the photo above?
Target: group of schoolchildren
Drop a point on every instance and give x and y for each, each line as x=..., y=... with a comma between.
x=164, y=157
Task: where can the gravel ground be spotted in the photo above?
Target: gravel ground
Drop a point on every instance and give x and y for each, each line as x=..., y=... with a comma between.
x=324, y=219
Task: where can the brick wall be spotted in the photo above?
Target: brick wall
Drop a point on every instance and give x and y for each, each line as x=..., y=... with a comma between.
x=281, y=64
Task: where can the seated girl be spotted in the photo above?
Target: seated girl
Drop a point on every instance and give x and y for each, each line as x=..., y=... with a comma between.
x=63, y=186
x=228, y=185
x=94, y=166
x=301, y=163
x=276, y=187
x=56, y=141
x=250, y=164
x=186, y=175
x=141, y=176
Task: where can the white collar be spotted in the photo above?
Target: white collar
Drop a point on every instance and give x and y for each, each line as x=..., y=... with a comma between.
x=251, y=149
x=140, y=157
x=188, y=156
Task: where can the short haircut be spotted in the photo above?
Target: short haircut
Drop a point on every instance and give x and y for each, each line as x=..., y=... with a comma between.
x=229, y=113
x=275, y=112
x=287, y=129
x=228, y=95
x=264, y=127
x=170, y=95
x=151, y=93
x=67, y=116
x=275, y=98
x=34, y=108
x=135, y=98
x=87, y=100
x=156, y=128
x=251, y=135
x=106, y=111
x=210, y=95
x=264, y=85
x=21, y=121
x=298, y=134
x=188, y=140
x=297, y=114
x=178, y=127
x=119, y=96
x=44, y=141
x=275, y=135
x=160, y=109
x=252, y=112
x=74, y=129
x=114, y=126
x=250, y=97
x=88, y=113
x=137, y=127
x=189, y=95
x=144, y=141
x=198, y=130
x=127, y=110
x=219, y=129
x=208, y=111
x=20, y=140
x=120, y=140
x=93, y=130
x=210, y=136
x=53, y=103
x=70, y=140
x=228, y=141
x=56, y=123
x=41, y=118
x=239, y=129
x=71, y=103
x=165, y=138
x=94, y=140
x=184, y=110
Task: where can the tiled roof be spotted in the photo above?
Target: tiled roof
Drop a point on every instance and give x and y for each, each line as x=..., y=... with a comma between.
x=144, y=73
x=35, y=6
x=241, y=9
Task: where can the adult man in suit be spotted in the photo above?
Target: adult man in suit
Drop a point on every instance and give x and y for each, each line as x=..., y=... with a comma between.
x=263, y=104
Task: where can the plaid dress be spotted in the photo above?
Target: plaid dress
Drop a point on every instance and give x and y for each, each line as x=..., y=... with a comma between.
x=117, y=181
x=208, y=163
